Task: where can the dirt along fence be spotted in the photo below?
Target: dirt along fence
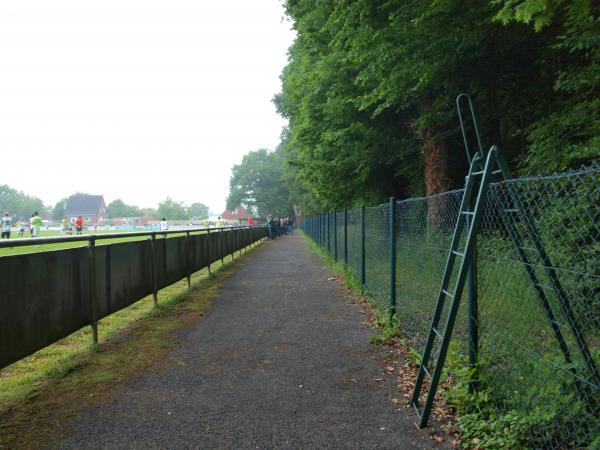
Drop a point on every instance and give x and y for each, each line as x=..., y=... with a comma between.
x=529, y=326
x=47, y=295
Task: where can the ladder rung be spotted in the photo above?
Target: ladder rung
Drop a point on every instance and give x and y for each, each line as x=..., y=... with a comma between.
x=448, y=293
x=480, y=172
x=462, y=255
x=528, y=249
x=511, y=210
x=426, y=371
x=544, y=286
x=436, y=331
x=496, y=172
x=417, y=410
x=469, y=212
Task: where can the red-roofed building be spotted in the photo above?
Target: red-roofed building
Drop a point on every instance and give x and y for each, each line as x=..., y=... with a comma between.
x=239, y=215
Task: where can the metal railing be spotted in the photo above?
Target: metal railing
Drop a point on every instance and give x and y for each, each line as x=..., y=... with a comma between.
x=398, y=253
x=46, y=295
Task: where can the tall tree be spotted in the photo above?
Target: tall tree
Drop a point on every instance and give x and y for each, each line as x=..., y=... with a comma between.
x=58, y=212
x=369, y=92
x=173, y=210
x=258, y=183
x=198, y=211
x=118, y=208
x=17, y=203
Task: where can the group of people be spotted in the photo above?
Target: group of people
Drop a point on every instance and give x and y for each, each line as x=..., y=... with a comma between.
x=67, y=226
x=279, y=226
x=34, y=225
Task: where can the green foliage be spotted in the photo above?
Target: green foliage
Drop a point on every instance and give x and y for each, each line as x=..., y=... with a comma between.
x=18, y=204
x=258, y=183
x=569, y=134
x=370, y=85
x=198, y=211
x=482, y=425
x=386, y=329
x=58, y=212
x=118, y=208
x=173, y=210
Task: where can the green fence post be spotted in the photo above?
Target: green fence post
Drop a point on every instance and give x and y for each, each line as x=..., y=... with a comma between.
x=222, y=245
x=92, y=288
x=335, y=249
x=392, y=240
x=472, y=310
x=208, y=249
x=362, y=247
x=346, y=237
x=328, y=233
x=154, y=271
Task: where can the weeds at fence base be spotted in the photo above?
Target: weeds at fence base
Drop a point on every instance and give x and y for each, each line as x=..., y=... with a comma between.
x=403, y=360
x=39, y=394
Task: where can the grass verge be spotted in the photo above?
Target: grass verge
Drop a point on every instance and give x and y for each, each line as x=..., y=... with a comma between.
x=39, y=394
x=403, y=360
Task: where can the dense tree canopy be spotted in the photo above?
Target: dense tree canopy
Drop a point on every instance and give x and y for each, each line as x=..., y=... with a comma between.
x=198, y=210
x=118, y=208
x=18, y=204
x=370, y=86
x=173, y=210
x=258, y=183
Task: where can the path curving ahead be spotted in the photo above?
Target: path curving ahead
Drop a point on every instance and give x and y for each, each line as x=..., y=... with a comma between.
x=281, y=360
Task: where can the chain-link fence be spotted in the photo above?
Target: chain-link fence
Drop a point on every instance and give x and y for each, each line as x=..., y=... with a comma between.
x=536, y=286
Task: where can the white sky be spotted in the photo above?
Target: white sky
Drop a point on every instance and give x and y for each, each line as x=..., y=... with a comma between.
x=137, y=99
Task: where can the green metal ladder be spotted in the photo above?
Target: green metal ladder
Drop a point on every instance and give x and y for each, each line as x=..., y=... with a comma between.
x=476, y=188
x=482, y=168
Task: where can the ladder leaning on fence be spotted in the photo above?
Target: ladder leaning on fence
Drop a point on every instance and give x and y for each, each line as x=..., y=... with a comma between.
x=483, y=166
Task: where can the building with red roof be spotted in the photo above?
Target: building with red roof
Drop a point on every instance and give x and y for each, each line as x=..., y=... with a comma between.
x=239, y=215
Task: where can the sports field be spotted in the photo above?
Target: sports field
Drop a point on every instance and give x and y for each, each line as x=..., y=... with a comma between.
x=36, y=247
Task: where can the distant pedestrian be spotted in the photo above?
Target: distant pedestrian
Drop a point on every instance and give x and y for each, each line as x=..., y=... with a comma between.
x=164, y=225
x=6, y=223
x=219, y=223
x=21, y=228
x=65, y=226
x=79, y=225
x=269, y=226
x=36, y=223
x=250, y=221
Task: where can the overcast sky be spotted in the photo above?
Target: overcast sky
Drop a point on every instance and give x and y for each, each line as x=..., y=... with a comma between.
x=137, y=99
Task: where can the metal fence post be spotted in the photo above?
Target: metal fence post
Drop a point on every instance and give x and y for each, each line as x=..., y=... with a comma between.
x=92, y=287
x=362, y=246
x=472, y=309
x=222, y=245
x=208, y=250
x=335, y=249
x=345, y=237
x=188, y=265
x=392, y=239
x=154, y=271
x=328, y=233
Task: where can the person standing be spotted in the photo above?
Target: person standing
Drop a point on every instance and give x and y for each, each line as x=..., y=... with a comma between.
x=21, y=228
x=269, y=225
x=164, y=225
x=79, y=225
x=36, y=222
x=66, y=226
x=6, y=222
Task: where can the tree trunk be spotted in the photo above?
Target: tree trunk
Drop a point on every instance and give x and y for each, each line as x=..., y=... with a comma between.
x=436, y=164
x=436, y=173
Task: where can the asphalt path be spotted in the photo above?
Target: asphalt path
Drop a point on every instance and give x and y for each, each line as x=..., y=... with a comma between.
x=281, y=360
